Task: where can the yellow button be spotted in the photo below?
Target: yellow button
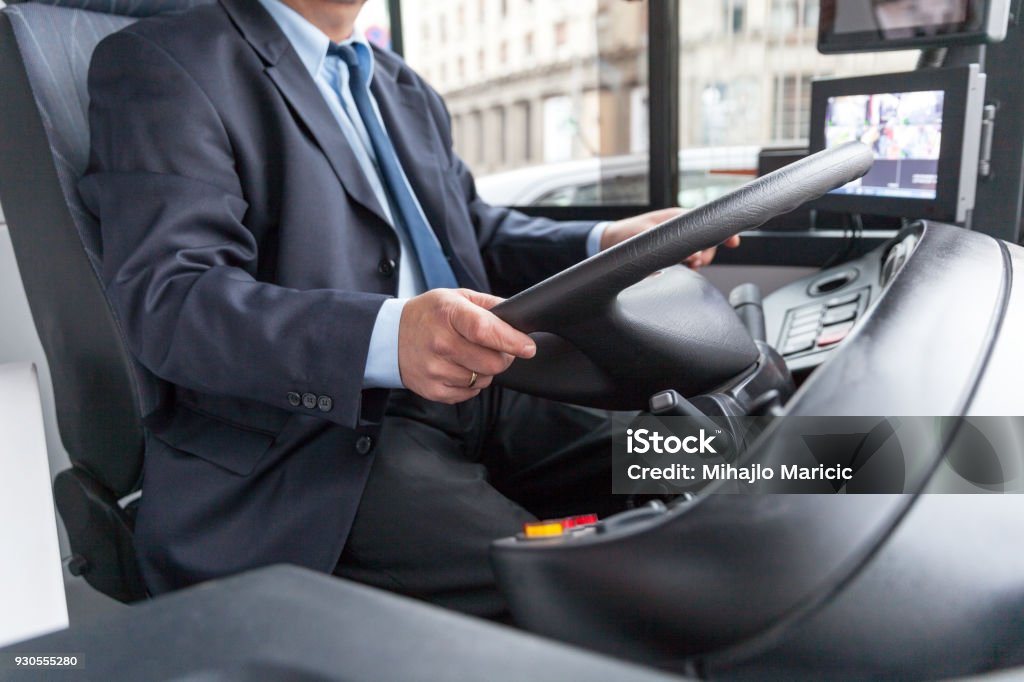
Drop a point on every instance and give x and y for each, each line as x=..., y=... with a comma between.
x=542, y=529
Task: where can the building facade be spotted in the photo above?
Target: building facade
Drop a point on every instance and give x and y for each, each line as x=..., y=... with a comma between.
x=530, y=82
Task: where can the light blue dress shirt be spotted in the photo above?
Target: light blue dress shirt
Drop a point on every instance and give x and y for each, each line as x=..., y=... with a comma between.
x=331, y=76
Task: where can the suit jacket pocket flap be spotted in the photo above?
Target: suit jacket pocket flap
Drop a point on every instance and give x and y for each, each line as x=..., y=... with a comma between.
x=235, y=448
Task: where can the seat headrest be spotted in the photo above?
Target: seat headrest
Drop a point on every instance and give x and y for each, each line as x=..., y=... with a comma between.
x=129, y=8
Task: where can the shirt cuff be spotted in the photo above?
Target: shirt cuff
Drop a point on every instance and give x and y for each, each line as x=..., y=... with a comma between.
x=382, y=359
x=594, y=238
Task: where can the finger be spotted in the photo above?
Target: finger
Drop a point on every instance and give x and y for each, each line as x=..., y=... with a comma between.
x=449, y=374
x=454, y=376
x=476, y=358
x=485, y=301
x=707, y=256
x=482, y=381
x=663, y=214
x=482, y=328
x=732, y=242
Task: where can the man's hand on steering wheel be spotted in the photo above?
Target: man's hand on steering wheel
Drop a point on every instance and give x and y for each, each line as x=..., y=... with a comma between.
x=622, y=230
x=450, y=346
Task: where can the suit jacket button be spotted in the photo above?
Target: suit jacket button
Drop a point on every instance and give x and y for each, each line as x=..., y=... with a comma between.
x=364, y=444
x=294, y=399
x=387, y=267
x=308, y=401
x=324, y=403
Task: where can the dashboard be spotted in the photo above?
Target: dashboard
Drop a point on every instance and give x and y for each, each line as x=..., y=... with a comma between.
x=746, y=585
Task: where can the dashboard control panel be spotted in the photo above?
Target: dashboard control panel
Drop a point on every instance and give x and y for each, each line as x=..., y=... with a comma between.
x=810, y=317
x=821, y=325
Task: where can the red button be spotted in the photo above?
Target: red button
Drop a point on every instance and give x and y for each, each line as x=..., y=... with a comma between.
x=579, y=521
x=830, y=336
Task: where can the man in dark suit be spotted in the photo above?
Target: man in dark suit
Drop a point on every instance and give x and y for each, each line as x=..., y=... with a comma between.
x=296, y=252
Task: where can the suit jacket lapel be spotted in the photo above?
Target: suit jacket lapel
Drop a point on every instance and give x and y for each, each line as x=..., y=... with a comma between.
x=403, y=106
x=304, y=99
x=308, y=105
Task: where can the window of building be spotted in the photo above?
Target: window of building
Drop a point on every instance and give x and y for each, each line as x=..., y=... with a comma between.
x=561, y=129
x=501, y=136
x=733, y=14
x=561, y=33
x=785, y=15
x=792, y=108
x=476, y=148
x=525, y=111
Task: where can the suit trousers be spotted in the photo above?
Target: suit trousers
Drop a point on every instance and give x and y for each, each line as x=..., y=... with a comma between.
x=447, y=480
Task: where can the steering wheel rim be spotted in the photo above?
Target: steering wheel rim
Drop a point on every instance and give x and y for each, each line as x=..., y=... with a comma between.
x=591, y=284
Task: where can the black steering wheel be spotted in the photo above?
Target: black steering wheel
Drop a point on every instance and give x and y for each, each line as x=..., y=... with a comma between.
x=610, y=335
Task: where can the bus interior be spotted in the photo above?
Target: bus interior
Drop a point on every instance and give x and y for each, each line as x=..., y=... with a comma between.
x=871, y=156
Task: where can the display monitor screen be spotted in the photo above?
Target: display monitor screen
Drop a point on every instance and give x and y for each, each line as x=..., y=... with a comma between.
x=904, y=129
x=901, y=18
x=870, y=25
x=924, y=128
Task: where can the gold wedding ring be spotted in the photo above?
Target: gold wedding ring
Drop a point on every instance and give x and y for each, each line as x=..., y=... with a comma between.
x=472, y=380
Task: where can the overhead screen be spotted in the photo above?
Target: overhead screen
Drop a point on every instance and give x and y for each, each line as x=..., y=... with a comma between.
x=871, y=25
x=924, y=128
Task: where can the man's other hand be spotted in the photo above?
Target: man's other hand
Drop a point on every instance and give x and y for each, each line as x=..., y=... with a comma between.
x=450, y=346
x=622, y=230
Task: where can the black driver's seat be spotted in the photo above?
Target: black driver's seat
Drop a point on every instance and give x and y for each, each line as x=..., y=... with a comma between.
x=101, y=393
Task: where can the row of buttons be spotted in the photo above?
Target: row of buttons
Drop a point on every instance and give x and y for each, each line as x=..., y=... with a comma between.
x=311, y=401
x=324, y=403
x=822, y=324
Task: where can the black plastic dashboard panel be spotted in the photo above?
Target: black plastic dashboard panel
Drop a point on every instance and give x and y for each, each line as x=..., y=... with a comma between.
x=727, y=577
x=691, y=581
x=920, y=350
x=941, y=599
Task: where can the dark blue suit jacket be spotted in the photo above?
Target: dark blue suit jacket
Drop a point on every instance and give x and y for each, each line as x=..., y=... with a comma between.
x=243, y=252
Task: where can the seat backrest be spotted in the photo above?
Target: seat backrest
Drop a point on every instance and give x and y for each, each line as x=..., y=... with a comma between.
x=100, y=392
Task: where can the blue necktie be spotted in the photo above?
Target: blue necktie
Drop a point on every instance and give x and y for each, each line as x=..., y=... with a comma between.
x=437, y=273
